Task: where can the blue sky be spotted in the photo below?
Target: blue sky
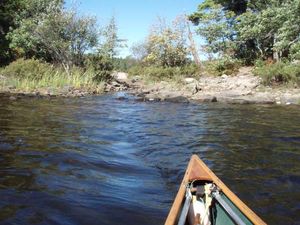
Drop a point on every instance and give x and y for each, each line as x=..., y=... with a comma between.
x=134, y=17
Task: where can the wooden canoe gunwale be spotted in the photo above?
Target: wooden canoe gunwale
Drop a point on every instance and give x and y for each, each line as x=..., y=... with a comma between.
x=197, y=170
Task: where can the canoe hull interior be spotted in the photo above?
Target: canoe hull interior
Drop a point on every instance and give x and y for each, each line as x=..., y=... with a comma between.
x=198, y=173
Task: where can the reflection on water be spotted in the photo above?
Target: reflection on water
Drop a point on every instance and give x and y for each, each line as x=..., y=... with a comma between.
x=99, y=160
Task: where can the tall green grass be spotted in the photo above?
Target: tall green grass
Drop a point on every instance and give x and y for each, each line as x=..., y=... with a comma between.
x=32, y=75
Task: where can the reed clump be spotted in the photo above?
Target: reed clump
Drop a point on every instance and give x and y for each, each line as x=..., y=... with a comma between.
x=32, y=75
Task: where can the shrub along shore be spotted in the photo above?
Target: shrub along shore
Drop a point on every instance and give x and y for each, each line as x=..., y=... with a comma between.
x=263, y=84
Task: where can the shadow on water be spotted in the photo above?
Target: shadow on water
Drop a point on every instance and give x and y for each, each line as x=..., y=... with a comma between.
x=99, y=160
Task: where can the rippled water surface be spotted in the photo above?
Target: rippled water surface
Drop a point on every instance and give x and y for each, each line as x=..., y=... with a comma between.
x=102, y=160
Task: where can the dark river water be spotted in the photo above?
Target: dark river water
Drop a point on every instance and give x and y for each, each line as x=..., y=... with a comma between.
x=102, y=160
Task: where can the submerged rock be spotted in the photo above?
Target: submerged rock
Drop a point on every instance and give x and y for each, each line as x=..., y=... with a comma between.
x=205, y=99
x=177, y=99
x=214, y=99
x=121, y=98
x=152, y=97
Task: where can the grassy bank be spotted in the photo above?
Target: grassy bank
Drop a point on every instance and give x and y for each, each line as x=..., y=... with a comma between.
x=35, y=76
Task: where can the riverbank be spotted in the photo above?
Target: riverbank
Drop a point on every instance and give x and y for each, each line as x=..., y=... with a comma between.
x=243, y=88
x=66, y=91
x=32, y=78
x=14, y=89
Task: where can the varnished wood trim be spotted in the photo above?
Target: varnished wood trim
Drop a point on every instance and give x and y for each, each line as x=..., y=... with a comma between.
x=174, y=211
x=236, y=201
x=206, y=173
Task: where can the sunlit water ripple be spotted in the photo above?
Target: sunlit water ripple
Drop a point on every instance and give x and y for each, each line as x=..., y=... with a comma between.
x=102, y=160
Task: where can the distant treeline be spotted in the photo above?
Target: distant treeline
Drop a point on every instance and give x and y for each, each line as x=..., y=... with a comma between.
x=239, y=32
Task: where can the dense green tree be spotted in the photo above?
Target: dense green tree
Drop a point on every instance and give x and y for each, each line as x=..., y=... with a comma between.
x=22, y=39
x=236, y=6
x=9, y=10
x=217, y=27
x=53, y=34
x=250, y=29
x=274, y=27
x=67, y=36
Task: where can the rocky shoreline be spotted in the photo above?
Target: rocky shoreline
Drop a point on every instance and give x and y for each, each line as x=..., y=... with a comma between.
x=66, y=92
x=243, y=88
